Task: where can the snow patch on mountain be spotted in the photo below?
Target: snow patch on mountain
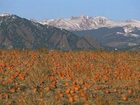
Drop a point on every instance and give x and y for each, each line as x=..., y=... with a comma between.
x=5, y=14
x=8, y=16
x=128, y=31
x=128, y=34
x=132, y=44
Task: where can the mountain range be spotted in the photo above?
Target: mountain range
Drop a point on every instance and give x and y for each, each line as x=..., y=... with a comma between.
x=21, y=33
x=120, y=35
x=75, y=33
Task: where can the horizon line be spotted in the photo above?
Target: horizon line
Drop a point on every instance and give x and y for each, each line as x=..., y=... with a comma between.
x=68, y=17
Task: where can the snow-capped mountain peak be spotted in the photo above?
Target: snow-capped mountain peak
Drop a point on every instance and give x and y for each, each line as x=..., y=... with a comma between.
x=88, y=23
x=77, y=23
x=101, y=19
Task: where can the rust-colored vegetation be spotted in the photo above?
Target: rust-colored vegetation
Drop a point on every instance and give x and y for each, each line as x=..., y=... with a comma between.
x=69, y=78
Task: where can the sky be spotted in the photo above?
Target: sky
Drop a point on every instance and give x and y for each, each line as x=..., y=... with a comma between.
x=48, y=9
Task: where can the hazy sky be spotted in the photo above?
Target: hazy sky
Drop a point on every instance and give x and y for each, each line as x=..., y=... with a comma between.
x=43, y=9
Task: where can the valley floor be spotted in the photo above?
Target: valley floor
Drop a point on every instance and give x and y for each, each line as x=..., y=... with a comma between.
x=69, y=78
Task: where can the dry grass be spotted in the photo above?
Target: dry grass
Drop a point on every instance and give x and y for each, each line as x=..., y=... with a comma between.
x=69, y=78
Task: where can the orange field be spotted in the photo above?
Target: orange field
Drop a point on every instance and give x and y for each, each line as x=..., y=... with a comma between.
x=69, y=78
